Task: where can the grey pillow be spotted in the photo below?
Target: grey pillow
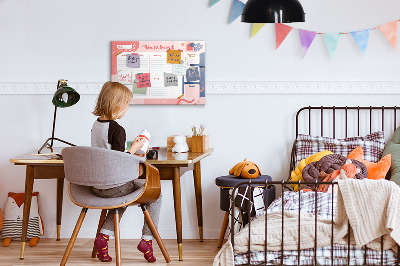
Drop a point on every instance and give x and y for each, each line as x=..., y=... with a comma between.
x=393, y=148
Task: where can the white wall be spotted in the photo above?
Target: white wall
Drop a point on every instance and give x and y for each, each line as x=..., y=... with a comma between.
x=42, y=41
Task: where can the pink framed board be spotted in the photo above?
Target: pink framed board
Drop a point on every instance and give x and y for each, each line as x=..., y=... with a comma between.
x=160, y=72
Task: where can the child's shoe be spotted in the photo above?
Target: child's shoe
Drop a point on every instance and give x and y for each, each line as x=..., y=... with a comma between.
x=146, y=247
x=101, y=245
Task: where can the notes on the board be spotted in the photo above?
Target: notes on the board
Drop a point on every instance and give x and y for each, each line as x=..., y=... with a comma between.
x=192, y=74
x=144, y=80
x=192, y=91
x=133, y=60
x=170, y=80
x=125, y=77
x=174, y=56
x=179, y=69
x=136, y=90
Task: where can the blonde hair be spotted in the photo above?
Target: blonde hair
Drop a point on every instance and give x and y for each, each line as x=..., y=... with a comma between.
x=112, y=99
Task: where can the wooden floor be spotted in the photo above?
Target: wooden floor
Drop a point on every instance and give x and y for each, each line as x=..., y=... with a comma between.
x=50, y=252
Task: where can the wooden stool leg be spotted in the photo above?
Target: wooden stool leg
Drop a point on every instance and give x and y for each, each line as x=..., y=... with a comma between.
x=154, y=230
x=73, y=237
x=101, y=222
x=223, y=229
x=117, y=239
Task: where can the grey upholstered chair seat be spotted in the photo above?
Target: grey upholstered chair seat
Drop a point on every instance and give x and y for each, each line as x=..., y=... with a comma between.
x=83, y=196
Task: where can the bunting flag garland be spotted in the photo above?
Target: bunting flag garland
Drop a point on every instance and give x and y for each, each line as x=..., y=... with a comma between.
x=306, y=39
x=281, y=31
x=361, y=37
x=237, y=9
x=213, y=2
x=256, y=27
x=332, y=41
x=389, y=30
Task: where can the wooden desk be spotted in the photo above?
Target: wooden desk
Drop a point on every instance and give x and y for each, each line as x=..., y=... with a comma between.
x=171, y=167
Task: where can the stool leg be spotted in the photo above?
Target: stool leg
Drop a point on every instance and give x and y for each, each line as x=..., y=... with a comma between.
x=223, y=229
x=101, y=222
x=117, y=239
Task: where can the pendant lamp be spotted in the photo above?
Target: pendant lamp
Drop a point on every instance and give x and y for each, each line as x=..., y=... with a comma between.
x=273, y=11
x=64, y=96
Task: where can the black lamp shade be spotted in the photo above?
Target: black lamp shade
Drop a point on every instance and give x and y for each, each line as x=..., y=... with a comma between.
x=65, y=96
x=273, y=11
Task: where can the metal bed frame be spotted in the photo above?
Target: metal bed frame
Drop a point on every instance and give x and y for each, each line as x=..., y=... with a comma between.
x=283, y=184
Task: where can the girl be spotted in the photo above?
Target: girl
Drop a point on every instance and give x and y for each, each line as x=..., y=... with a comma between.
x=112, y=103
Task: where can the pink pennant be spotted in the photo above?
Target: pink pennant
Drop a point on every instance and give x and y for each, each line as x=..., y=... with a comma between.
x=389, y=30
x=306, y=39
x=281, y=31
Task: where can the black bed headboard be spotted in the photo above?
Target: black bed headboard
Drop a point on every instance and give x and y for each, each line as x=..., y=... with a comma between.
x=344, y=121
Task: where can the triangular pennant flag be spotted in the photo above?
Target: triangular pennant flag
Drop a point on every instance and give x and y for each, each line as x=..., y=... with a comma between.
x=281, y=31
x=332, y=41
x=256, y=27
x=213, y=2
x=389, y=30
x=361, y=37
x=237, y=9
x=306, y=39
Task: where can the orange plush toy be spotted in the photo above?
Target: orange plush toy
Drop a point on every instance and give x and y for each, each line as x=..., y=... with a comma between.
x=245, y=169
x=13, y=214
x=375, y=170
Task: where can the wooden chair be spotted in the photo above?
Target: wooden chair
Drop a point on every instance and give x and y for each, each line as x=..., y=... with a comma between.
x=85, y=167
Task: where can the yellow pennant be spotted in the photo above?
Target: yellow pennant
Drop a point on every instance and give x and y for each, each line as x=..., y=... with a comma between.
x=256, y=28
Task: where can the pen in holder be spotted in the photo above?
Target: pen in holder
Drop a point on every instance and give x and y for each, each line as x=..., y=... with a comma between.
x=200, y=143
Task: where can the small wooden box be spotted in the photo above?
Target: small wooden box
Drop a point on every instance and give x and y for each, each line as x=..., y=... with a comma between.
x=200, y=143
x=171, y=143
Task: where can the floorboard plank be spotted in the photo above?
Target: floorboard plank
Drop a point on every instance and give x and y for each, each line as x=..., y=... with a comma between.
x=49, y=252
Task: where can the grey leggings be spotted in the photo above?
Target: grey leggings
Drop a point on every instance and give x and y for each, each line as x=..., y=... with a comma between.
x=154, y=208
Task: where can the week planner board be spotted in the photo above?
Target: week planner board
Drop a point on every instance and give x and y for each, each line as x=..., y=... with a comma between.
x=160, y=72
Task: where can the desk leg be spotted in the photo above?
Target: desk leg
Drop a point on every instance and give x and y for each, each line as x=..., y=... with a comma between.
x=176, y=182
x=60, y=190
x=27, y=206
x=199, y=204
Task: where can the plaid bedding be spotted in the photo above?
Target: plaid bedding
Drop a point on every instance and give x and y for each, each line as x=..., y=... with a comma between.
x=322, y=207
x=372, y=145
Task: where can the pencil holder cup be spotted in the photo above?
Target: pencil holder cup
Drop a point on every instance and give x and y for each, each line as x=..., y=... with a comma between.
x=200, y=143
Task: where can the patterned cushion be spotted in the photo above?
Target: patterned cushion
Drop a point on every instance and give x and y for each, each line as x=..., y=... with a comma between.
x=372, y=144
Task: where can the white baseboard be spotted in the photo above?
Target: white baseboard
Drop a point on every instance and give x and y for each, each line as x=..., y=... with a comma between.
x=231, y=87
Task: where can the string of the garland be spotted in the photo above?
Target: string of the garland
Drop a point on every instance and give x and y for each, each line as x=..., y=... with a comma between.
x=342, y=32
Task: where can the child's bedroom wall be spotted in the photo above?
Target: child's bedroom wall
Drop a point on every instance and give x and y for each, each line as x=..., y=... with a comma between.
x=43, y=41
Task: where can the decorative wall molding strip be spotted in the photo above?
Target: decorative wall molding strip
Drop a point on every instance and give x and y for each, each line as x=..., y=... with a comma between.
x=234, y=87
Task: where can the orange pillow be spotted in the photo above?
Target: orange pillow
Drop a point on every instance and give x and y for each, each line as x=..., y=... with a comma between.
x=375, y=170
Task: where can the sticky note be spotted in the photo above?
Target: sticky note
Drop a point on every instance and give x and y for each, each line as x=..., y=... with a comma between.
x=170, y=80
x=192, y=91
x=125, y=77
x=136, y=90
x=179, y=69
x=192, y=74
x=144, y=80
x=174, y=56
x=133, y=60
x=196, y=46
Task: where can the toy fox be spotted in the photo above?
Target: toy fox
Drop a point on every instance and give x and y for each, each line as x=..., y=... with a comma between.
x=13, y=215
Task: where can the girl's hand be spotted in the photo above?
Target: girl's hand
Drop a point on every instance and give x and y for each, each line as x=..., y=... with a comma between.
x=137, y=144
x=143, y=155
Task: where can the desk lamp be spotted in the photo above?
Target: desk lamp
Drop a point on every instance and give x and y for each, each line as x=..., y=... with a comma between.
x=64, y=96
x=273, y=11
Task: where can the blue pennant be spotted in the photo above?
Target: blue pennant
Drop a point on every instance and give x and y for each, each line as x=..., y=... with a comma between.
x=237, y=9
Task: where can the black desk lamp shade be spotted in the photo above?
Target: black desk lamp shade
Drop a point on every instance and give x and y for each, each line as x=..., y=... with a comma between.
x=64, y=96
x=273, y=11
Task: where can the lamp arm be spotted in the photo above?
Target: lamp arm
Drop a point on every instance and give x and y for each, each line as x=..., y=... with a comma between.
x=54, y=126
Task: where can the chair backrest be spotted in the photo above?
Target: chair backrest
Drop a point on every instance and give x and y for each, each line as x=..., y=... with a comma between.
x=92, y=166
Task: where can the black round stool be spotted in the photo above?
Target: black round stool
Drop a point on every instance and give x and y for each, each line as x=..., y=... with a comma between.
x=228, y=182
